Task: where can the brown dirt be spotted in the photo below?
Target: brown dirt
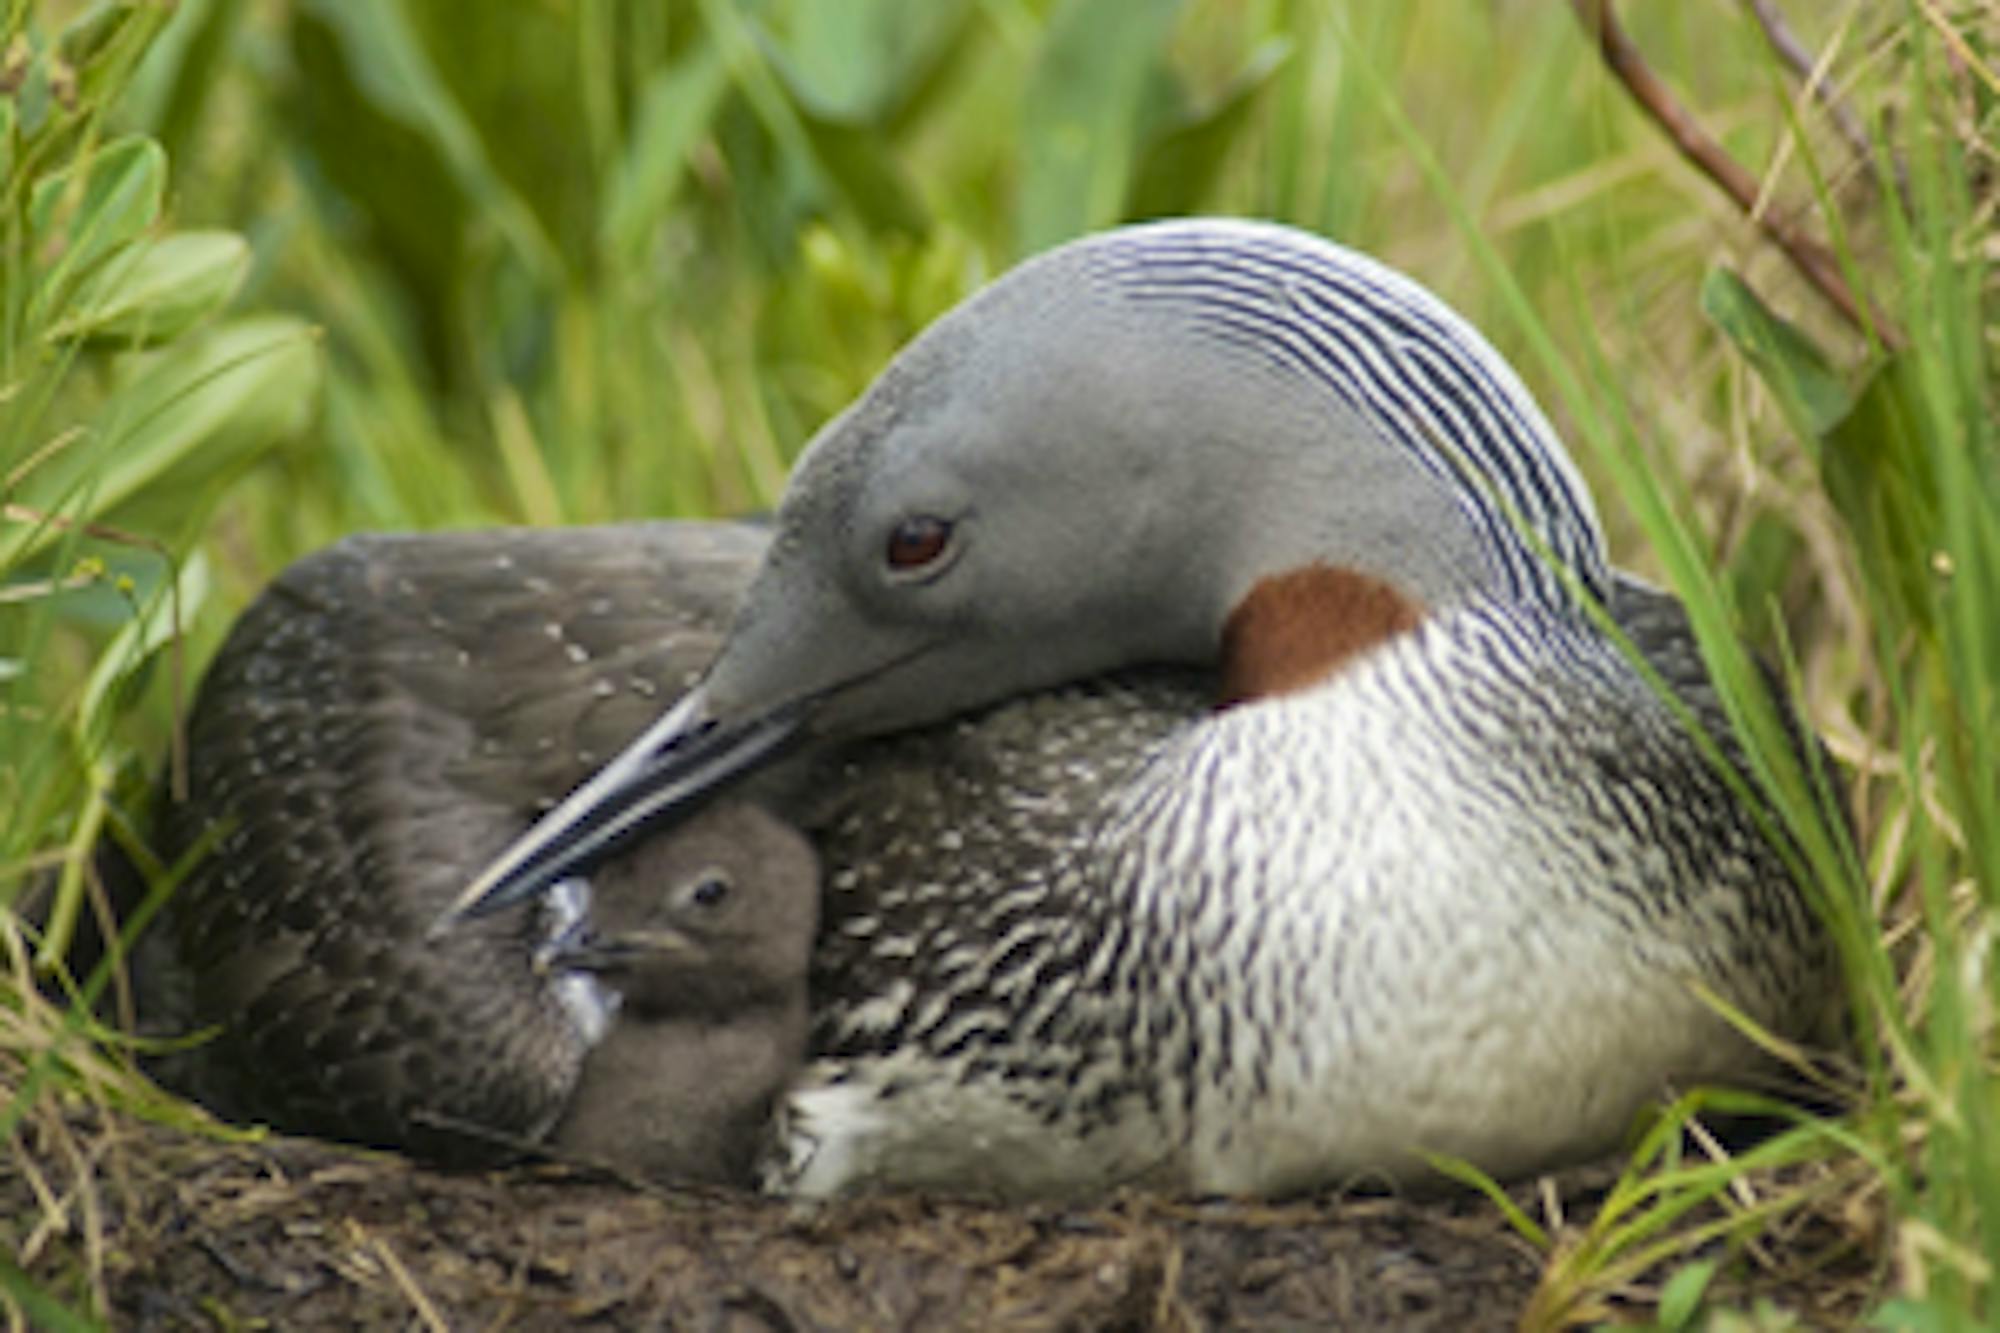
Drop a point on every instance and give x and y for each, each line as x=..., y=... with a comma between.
x=293, y=1234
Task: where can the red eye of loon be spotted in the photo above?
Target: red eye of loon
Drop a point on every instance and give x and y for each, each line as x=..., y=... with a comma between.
x=917, y=542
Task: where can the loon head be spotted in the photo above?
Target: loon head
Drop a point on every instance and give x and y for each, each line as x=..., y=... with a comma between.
x=1180, y=442
x=720, y=914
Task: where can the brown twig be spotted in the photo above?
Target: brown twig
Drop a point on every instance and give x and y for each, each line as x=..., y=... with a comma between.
x=1812, y=259
x=1786, y=44
x=1811, y=75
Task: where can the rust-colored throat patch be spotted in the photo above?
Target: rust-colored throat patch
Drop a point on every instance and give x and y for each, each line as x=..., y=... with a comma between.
x=1295, y=629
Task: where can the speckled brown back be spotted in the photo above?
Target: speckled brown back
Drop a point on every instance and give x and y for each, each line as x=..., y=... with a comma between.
x=382, y=721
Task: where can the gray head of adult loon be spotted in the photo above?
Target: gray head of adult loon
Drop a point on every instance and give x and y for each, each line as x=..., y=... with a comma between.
x=1092, y=464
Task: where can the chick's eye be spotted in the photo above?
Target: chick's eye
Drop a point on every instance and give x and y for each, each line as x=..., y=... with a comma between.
x=709, y=889
x=917, y=542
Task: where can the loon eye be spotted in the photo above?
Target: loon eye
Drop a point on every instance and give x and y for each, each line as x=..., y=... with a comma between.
x=916, y=543
x=709, y=888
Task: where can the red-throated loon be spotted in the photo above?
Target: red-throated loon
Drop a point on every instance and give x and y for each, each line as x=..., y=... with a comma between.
x=1445, y=877
x=1441, y=873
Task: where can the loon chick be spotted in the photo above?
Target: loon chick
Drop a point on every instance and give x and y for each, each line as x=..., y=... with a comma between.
x=387, y=715
x=1446, y=877
x=706, y=957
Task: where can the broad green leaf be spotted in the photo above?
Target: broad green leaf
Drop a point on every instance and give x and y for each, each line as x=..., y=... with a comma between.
x=1081, y=115
x=674, y=111
x=1758, y=569
x=164, y=616
x=26, y=71
x=92, y=32
x=102, y=58
x=206, y=408
x=1681, y=1299
x=857, y=62
x=1878, y=476
x=1177, y=167
x=154, y=291
x=82, y=213
x=189, y=414
x=1808, y=388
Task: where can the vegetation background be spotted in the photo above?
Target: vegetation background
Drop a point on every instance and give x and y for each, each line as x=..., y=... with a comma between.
x=276, y=270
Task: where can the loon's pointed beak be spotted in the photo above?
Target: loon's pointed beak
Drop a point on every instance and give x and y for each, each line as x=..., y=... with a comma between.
x=684, y=756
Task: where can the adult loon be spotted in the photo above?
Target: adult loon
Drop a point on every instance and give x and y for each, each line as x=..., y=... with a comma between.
x=1442, y=874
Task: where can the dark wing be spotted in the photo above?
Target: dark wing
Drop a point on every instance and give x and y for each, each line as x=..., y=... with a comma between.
x=385, y=718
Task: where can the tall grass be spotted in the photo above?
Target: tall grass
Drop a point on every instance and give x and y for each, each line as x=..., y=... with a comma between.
x=578, y=260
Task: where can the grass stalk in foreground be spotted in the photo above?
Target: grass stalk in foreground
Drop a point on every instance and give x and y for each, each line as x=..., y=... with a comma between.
x=1908, y=464
x=124, y=394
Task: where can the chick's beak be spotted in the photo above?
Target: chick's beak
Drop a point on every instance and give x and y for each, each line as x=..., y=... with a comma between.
x=587, y=951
